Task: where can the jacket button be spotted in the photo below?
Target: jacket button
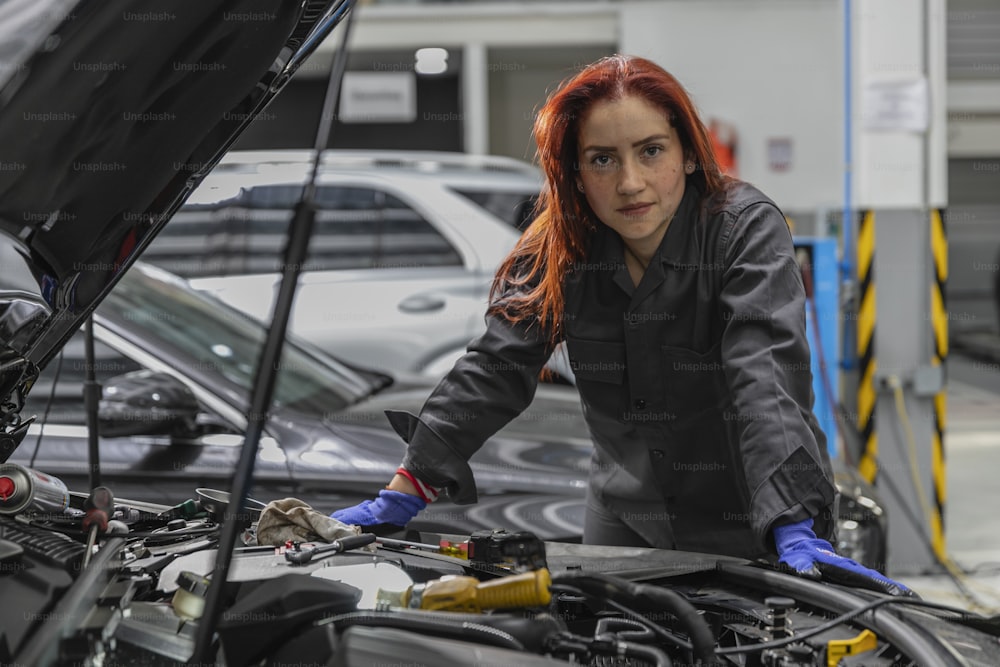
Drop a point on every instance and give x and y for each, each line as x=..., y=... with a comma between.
x=633, y=319
x=639, y=404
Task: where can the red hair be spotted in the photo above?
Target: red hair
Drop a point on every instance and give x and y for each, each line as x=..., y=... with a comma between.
x=529, y=283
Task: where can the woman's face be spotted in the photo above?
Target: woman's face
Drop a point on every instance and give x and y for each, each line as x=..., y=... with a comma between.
x=631, y=169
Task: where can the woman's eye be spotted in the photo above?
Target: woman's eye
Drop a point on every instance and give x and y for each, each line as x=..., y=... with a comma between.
x=652, y=151
x=601, y=161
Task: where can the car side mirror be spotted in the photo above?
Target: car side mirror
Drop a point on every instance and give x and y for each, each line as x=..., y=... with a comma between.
x=147, y=403
x=21, y=315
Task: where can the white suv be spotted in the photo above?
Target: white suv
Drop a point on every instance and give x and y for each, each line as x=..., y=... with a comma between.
x=402, y=255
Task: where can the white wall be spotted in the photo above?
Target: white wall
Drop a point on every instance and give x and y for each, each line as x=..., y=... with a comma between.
x=897, y=43
x=515, y=49
x=773, y=68
x=520, y=80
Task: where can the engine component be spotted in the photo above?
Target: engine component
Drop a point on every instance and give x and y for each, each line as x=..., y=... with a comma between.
x=367, y=577
x=24, y=489
x=375, y=646
x=267, y=616
x=530, y=632
x=189, y=598
x=644, y=596
x=498, y=547
x=779, y=607
x=837, y=649
x=497, y=551
x=216, y=503
x=457, y=593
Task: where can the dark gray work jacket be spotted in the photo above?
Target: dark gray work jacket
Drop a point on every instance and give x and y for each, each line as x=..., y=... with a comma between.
x=695, y=385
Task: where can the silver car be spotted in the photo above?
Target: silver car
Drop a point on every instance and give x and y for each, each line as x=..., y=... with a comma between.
x=404, y=247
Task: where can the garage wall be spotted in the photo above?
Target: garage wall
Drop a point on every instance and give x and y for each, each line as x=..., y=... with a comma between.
x=773, y=68
x=520, y=79
x=973, y=223
x=973, y=214
x=291, y=119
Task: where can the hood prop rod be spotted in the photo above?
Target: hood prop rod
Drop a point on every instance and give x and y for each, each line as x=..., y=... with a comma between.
x=91, y=402
x=267, y=370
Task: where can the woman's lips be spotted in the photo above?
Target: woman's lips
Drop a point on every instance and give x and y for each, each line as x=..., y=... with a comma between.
x=635, y=209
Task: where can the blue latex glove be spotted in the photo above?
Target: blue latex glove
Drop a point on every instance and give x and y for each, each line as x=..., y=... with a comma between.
x=391, y=507
x=800, y=549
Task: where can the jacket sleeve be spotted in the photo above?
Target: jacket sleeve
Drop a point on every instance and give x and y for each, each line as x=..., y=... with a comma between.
x=765, y=354
x=488, y=387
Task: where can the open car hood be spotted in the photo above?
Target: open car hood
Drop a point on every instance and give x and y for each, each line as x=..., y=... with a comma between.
x=110, y=115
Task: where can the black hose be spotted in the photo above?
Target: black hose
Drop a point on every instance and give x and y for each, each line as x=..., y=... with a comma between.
x=650, y=598
x=625, y=629
x=465, y=631
x=633, y=639
x=648, y=654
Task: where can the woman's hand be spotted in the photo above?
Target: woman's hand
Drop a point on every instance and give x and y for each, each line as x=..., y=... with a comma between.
x=800, y=549
x=391, y=507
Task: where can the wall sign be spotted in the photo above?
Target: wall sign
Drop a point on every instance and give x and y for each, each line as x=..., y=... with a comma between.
x=779, y=153
x=378, y=97
x=896, y=105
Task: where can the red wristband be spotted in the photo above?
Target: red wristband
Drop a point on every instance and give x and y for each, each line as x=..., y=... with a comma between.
x=428, y=493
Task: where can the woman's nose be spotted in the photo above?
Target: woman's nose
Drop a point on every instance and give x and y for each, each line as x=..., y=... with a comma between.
x=629, y=178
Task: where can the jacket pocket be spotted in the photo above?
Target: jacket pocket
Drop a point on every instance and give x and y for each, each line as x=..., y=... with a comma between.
x=694, y=383
x=596, y=360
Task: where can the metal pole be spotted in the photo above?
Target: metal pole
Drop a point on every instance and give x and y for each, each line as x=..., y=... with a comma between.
x=267, y=370
x=91, y=402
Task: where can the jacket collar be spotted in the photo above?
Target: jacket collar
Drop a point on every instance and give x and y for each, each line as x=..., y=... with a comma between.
x=609, y=249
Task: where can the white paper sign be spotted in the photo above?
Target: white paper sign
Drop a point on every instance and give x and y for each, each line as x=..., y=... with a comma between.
x=779, y=153
x=896, y=105
x=378, y=97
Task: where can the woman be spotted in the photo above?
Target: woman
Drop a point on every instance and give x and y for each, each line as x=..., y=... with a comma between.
x=678, y=296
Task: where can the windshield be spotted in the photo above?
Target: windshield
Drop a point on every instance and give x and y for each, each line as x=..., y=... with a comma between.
x=514, y=208
x=167, y=316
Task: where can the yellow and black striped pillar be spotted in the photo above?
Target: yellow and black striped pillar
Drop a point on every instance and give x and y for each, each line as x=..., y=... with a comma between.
x=939, y=353
x=866, y=394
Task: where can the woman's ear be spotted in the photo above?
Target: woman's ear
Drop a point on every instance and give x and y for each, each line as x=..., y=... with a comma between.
x=690, y=162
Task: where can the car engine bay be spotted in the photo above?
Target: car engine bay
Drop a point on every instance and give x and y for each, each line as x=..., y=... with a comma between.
x=504, y=598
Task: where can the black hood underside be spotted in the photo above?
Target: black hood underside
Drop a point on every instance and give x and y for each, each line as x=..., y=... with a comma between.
x=110, y=114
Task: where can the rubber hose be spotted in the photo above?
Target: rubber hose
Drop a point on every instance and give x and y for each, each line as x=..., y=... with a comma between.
x=464, y=631
x=648, y=598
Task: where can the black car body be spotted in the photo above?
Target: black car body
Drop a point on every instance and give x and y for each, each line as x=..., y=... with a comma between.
x=327, y=440
x=109, y=116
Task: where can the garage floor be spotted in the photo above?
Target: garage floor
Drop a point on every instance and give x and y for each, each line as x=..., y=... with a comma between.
x=972, y=510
